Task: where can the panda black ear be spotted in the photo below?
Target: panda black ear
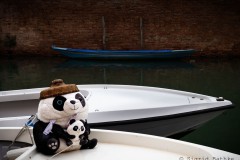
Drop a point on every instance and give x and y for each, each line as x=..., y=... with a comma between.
x=72, y=121
x=82, y=121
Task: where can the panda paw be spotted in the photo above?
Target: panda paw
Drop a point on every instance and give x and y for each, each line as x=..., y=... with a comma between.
x=69, y=142
x=90, y=144
x=53, y=144
x=71, y=136
x=83, y=142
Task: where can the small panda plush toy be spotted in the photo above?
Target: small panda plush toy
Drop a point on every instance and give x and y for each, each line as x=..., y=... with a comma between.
x=76, y=130
x=58, y=105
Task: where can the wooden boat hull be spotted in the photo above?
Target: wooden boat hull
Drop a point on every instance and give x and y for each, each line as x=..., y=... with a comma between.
x=118, y=54
x=149, y=110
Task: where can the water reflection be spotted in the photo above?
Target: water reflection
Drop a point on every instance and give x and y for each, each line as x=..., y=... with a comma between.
x=209, y=77
x=72, y=63
x=111, y=70
x=39, y=71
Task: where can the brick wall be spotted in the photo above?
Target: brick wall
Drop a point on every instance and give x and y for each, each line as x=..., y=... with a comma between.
x=209, y=26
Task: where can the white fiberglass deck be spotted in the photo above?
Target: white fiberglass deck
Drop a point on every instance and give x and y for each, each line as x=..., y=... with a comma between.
x=115, y=145
x=112, y=98
x=118, y=103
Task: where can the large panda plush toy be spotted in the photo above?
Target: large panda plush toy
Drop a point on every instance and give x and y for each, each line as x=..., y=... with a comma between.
x=58, y=105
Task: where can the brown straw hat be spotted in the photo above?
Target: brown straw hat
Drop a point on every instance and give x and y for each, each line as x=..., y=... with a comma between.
x=58, y=87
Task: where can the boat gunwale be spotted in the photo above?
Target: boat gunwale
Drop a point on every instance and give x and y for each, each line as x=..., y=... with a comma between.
x=30, y=91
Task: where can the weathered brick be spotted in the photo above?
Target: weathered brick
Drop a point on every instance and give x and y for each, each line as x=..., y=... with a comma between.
x=212, y=27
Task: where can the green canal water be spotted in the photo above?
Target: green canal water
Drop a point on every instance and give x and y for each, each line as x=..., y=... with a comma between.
x=209, y=77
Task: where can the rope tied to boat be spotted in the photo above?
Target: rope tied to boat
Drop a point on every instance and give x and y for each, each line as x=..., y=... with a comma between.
x=26, y=126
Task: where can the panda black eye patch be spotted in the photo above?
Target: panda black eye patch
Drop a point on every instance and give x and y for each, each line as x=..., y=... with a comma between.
x=58, y=103
x=80, y=98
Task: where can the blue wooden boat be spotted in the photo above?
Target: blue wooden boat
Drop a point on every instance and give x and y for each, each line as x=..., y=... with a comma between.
x=122, y=54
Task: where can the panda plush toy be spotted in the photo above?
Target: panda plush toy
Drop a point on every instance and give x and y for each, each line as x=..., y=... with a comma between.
x=58, y=105
x=76, y=130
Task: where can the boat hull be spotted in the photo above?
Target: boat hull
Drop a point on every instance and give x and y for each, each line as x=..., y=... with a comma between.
x=161, y=126
x=115, y=54
x=166, y=112
x=137, y=146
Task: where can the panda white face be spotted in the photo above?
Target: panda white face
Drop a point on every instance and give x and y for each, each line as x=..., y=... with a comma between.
x=76, y=128
x=69, y=103
x=62, y=107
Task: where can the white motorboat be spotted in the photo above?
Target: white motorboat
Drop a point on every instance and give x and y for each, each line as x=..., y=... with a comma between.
x=116, y=145
x=148, y=110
